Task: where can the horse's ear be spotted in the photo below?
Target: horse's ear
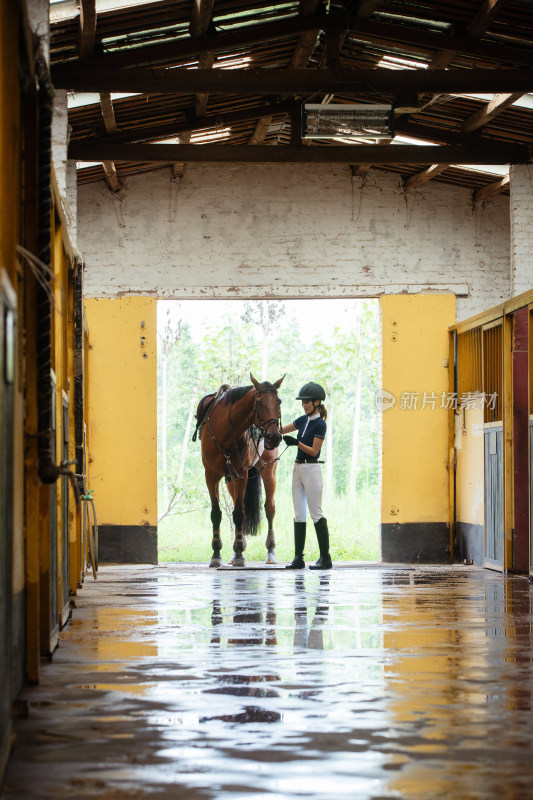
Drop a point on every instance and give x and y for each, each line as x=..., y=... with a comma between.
x=278, y=383
x=255, y=383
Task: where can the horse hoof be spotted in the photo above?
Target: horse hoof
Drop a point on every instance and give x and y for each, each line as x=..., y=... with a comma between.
x=238, y=561
x=216, y=561
x=271, y=558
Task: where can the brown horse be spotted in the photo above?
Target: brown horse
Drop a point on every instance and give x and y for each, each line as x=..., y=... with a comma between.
x=240, y=429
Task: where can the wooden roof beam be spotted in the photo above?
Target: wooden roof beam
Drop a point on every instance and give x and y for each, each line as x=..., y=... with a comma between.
x=154, y=132
x=479, y=24
x=110, y=170
x=202, y=14
x=111, y=176
x=300, y=59
x=484, y=17
x=492, y=189
x=87, y=27
x=288, y=82
x=344, y=154
x=495, y=107
x=406, y=35
x=185, y=48
x=425, y=176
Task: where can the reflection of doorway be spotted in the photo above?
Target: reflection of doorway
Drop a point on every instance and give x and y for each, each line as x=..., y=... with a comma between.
x=202, y=344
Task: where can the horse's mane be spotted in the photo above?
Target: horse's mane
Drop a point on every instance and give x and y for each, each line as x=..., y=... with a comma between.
x=233, y=395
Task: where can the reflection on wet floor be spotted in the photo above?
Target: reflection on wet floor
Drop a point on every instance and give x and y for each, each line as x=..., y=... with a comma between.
x=181, y=681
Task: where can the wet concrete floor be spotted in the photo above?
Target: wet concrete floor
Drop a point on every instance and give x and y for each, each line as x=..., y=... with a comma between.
x=179, y=681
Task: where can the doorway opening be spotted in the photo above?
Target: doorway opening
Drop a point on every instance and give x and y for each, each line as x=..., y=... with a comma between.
x=203, y=344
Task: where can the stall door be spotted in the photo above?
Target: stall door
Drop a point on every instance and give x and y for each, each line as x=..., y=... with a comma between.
x=493, y=437
x=53, y=621
x=493, y=496
x=65, y=558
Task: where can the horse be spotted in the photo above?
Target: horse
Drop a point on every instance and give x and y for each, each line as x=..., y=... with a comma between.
x=240, y=429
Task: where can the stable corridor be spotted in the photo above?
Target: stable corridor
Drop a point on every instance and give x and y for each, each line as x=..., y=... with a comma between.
x=177, y=681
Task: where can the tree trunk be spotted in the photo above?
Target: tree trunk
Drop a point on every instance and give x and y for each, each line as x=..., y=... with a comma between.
x=164, y=462
x=264, y=342
x=356, y=413
x=355, y=443
x=187, y=434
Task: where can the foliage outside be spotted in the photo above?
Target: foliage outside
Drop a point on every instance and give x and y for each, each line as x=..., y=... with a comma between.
x=267, y=339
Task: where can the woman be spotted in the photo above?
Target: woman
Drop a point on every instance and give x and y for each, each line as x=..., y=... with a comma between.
x=307, y=474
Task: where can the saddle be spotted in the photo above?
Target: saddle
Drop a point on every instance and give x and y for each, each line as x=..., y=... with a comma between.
x=204, y=407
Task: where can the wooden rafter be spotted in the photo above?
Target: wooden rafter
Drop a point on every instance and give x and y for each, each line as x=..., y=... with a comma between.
x=343, y=154
x=221, y=42
x=178, y=167
x=110, y=170
x=484, y=17
x=480, y=22
x=405, y=35
x=111, y=176
x=300, y=59
x=201, y=16
x=492, y=189
x=496, y=106
x=87, y=27
x=202, y=12
x=108, y=112
x=153, y=132
x=441, y=60
x=87, y=40
x=426, y=175
x=261, y=130
x=299, y=81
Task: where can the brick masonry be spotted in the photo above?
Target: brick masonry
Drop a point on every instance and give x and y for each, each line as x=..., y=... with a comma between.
x=521, y=228
x=244, y=231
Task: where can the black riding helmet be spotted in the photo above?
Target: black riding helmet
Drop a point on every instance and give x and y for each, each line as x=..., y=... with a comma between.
x=311, y=391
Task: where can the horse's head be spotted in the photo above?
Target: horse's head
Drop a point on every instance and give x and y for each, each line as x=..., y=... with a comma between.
x=268, y=411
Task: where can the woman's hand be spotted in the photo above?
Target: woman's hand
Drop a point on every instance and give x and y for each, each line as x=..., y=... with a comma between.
x=290, y=441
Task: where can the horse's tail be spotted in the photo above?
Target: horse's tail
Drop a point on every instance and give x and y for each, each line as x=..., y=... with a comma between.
x=252, y=503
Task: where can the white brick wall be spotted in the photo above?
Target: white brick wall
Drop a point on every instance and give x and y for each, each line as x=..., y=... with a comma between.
x=521, y=209
x=291, y=231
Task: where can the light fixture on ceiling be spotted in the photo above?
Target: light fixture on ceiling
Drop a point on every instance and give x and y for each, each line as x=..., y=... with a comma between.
x=347, y=122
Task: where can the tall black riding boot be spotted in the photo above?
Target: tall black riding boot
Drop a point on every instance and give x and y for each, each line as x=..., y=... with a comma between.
x=322, y=534
x=299, y=544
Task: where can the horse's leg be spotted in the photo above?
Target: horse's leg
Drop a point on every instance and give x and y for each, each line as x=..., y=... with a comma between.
x=239, y=543
x=269, y=482
x=216, y=517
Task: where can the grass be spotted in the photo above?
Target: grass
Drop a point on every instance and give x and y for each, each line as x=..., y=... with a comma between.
x=187, y=537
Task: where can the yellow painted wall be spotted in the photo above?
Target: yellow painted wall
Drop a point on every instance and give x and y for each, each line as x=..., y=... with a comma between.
x=470, y=482
x=415, y=441
x=122, y=395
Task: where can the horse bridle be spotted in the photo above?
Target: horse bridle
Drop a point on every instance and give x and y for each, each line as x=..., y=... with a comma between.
x=261, y=424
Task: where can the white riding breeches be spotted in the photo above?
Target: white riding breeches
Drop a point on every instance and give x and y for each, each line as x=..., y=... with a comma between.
x=307, y=491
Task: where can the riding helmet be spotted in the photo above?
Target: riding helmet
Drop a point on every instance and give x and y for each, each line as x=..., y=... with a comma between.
x=311, y=391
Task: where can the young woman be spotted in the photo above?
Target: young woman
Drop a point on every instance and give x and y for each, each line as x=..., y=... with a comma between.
x=307, y=474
